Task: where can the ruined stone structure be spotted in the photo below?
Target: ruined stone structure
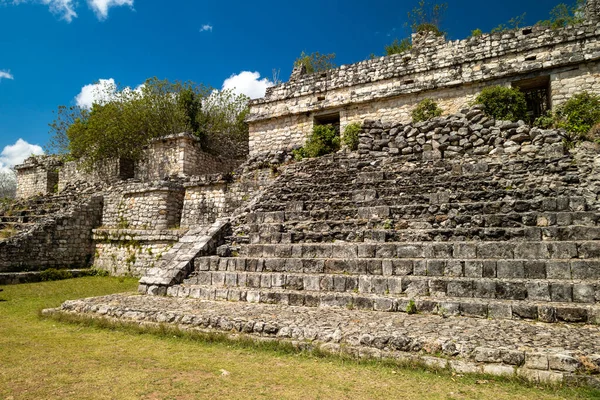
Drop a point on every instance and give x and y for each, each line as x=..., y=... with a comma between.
x=380, y=252
x=553, y=63
x=37, y=175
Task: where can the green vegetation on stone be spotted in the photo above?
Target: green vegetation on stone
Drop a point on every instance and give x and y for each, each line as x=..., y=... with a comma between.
x=425, y=110
x=351, y=132
x=398, y=47
x=325, y=139
x=563, y=15
x=476, y=33
x=512, y=24
x=316, y=62
x=579, y=117
x=427, y=17
x=579, y=114
x=503, y=103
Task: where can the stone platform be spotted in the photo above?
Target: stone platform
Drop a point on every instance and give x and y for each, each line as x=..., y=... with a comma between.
x=536, y=351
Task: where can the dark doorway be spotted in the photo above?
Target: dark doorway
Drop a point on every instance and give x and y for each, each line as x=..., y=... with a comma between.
x=537, y=95
x=329, y=119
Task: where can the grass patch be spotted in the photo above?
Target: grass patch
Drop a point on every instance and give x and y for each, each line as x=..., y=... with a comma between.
x=103, y=359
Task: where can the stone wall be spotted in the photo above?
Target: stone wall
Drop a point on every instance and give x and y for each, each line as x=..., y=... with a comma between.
x=37, y=175
x=452, y=73
x=585, y=77
x=469, y=133
x=592, y=10
x=209, y=198
x=205, y=201
x=143, y=206
x=62, y=240
x=179, y=155
x=111, y=171
x=131, y=252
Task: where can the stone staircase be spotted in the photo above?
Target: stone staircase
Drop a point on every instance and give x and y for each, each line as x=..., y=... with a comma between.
x=502, y=237
x=50, y=231
x=23, y=214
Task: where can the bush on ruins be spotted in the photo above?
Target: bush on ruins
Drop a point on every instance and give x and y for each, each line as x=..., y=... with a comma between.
x=503, y=103
x=325, y=139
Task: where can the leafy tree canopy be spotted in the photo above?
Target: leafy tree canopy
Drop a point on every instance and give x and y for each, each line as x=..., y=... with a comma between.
x=316, y=62
x=121, y=126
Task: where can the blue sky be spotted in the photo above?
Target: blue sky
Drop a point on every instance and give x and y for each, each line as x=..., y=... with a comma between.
x=52, y=49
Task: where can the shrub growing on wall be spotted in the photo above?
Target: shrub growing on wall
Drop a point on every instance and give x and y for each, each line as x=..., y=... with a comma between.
x=324, y=140
x=503, y=103
x=351, y=133
x=398, y=47
x=579, y=117
x=316, y=62
x=579, y=114
x=426, y=109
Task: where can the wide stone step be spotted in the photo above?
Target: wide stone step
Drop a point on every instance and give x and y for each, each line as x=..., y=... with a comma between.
x=395, y=198
x=26, y=217
x=542, y=290
x=330, y=183
x=383, y=219
x=526, y=250
x=437, y=170
x=352, y=234
x=554, y=269
x=481, y=308
x=549, y=204
x=532, y=350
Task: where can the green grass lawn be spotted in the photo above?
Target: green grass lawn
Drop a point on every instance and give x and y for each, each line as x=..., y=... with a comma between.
x=46, y=359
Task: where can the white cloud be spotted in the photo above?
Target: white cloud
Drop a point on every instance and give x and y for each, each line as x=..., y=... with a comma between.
x=248, y=83
x=206, y=28
x=6, y=75
x=65, y=9
x=101, y=7
x=17, y=153
x=101, y=92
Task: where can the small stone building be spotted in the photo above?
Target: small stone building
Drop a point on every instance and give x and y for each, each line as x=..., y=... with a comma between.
x=548, y=65
x=175, y=155
x=37, y=175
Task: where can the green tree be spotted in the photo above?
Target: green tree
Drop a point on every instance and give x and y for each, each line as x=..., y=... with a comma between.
x=427, y=17
x=120, y=126
x=398, y=46
x=316, y=62
x=563, y=15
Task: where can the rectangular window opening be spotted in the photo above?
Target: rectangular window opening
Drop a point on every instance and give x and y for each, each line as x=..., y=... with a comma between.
x=537, y=95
